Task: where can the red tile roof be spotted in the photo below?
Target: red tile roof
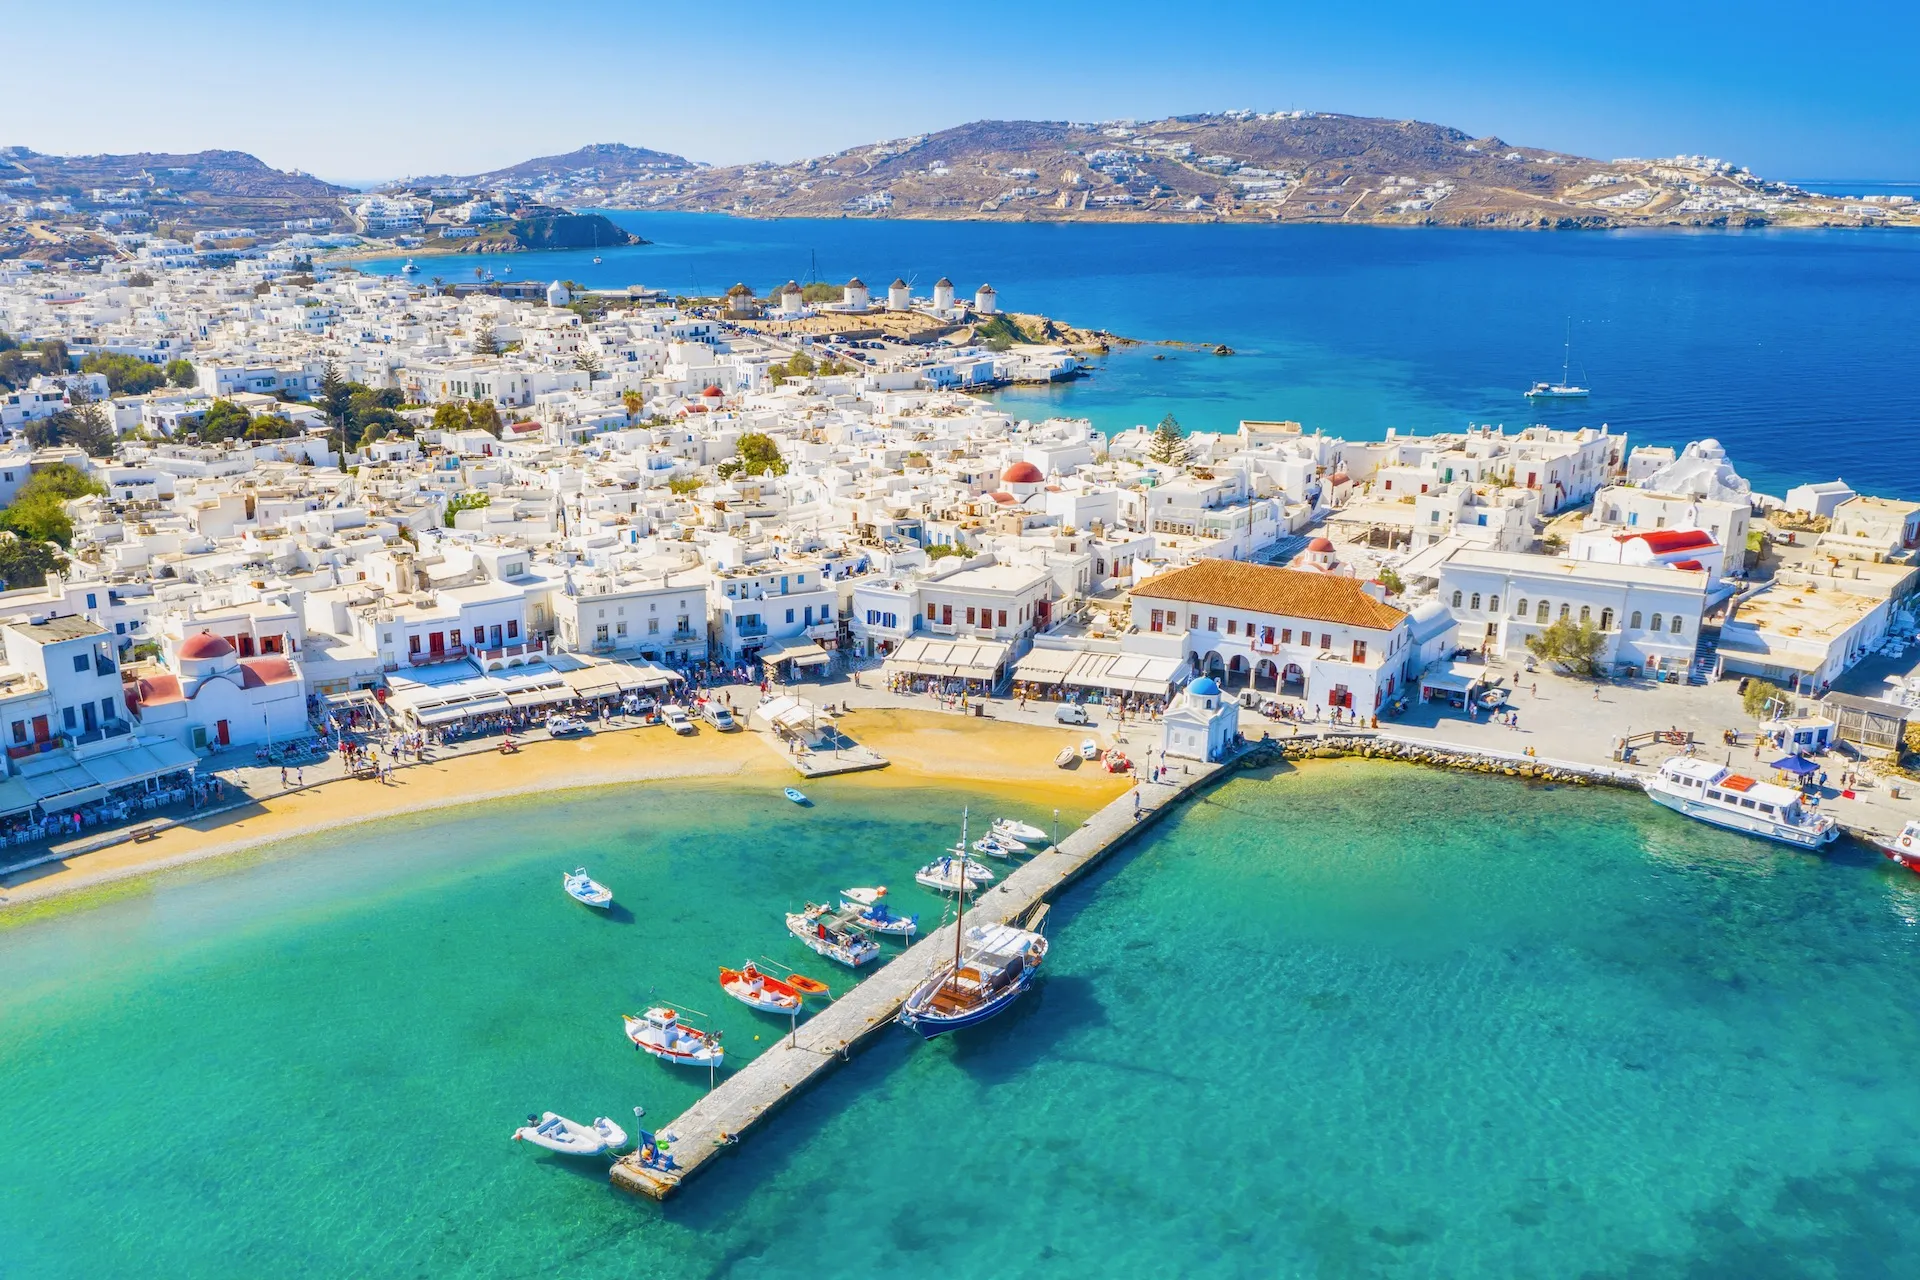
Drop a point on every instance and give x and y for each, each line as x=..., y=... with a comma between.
x=1293, y=593
x=1664, y=541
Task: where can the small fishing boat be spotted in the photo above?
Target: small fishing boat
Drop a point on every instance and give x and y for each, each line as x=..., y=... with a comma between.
x=758, y=990
x=832, y=934
x=660, y=1032
x=997, y=847
x=1022, y=831
x=596, y=262
x=570, y=1137
x=409, y=269
x=796, y=795
x=1066, y=758
x=951, y=874
x=875, y=915
x=583, y=888
x=1904, y=848
x=1116, y=761
x=992, y=966
x=1089, y=749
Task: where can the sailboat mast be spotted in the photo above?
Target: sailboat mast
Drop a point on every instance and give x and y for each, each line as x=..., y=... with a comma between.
x=960, y=910
x=1566, y=354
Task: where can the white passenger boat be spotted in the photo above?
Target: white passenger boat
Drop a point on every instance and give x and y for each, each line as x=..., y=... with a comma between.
x=875, y=915
x=1025, y=832
x=832, y=934
x=1715, y=793
x=583, y=888
x=660, y=1032
x=1903, y=848
x=570, y=1137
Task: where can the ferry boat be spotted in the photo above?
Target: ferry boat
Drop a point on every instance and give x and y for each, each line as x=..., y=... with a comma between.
x=1904, y=848
x=1715, y=793
x=831, y=934
x=660, y=1032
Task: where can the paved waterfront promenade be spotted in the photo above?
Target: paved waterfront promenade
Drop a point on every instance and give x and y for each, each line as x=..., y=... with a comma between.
x=745, y=1097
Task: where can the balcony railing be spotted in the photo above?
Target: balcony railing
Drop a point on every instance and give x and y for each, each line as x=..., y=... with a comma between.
x=747, y=630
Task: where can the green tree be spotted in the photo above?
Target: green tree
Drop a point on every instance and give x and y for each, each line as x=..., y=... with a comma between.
x=464, y=502
x=336, y=400
x=759, y=454
x=126, y=375
x=38, y=513
x=26, y=563
x=271, y=426
x=140, y=280
x=82, y=424
x=1168, y=445
x=684, y=485
x=181, y=373
x=221, y=420
x=1391, y=581
x=632, y=402
x=1760, y=697
x=484, y=342
x=1574, y=645
x=452, y=417
x=587, y=363
x=486, y=417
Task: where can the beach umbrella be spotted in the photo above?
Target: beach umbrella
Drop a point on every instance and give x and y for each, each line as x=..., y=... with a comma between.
x=1798, y=765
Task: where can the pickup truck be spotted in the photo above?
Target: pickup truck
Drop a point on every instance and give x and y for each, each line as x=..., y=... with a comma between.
x=676, y=717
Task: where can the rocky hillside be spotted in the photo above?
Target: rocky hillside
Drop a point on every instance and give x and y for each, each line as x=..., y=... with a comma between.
x=202, y=190
x=1240, y=166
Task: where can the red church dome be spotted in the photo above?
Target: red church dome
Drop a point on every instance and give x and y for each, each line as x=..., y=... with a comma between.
x=1320, y=544
x=1022, y=473
x=205, y=644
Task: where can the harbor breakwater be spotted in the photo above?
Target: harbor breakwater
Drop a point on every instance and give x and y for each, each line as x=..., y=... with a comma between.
x=1378, y=746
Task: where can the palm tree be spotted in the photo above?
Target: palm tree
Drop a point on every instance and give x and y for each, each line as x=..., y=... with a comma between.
x=633, y=401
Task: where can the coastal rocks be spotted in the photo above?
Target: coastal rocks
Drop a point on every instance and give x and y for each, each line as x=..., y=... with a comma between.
x=1344, y=746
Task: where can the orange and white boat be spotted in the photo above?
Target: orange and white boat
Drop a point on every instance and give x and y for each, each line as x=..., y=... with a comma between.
x=762, y=991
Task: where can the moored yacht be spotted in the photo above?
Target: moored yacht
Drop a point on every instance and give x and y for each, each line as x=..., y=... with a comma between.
x=1715, y=793
x=993, y=964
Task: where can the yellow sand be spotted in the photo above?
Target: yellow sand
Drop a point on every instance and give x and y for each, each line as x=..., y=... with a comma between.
x=923, y=747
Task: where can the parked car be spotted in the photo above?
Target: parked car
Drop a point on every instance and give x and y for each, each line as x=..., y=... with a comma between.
x=676, y=716
x=719, y=717
x=1073, y=713
x=561, y=726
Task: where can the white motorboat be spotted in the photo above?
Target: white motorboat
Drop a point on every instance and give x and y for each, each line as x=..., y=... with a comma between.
x=998, y=847
x=1089, y=749
x=875, y=916
x=1904, y=848
x=833, y=934
x=953, y=874
x=1715, y=793
x=660, y=1032
x=570, y=1137
x=1022, y=831
x=584, y=888
x=1066, y=758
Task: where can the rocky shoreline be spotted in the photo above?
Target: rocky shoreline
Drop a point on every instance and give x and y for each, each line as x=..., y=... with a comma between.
x=1337, y=746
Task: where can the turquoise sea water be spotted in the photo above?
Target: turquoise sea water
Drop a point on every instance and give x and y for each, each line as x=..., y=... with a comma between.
x=1357, y=1021
x=1794, y=348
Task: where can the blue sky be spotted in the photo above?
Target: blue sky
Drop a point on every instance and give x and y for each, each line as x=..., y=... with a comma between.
x=359, y=91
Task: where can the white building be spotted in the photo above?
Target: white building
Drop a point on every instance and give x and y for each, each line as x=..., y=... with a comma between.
x=1201, y=724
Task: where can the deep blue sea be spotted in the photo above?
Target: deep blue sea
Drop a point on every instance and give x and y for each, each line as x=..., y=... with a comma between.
x=1795, y=348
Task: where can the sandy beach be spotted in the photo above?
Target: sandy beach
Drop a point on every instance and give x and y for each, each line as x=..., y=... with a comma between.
x=924, y=748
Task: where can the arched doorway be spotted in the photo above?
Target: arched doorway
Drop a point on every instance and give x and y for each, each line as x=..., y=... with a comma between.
x=1238, y=673
x=1215, y=666
x=1293, y=680
x=1266, y=675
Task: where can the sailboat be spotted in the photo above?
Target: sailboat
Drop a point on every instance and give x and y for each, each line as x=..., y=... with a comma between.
x=1563, y=389
x=992, y=965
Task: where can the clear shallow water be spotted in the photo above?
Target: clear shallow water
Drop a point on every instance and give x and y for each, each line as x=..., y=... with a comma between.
x=1359, y=1021
x=1793, y=348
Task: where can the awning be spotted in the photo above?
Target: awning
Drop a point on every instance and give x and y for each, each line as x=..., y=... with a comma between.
x=1125, y=672
x=959, y=659
x=539, y=698
x=646, y=675
x=593, y=682
x=446, y=715
x=15, y=797
x=797, y=650
x=1046, y=666
x=785, y=712
x=1446, y=679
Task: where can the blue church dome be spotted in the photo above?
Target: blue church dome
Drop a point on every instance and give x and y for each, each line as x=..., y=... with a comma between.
x=1204, y=687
